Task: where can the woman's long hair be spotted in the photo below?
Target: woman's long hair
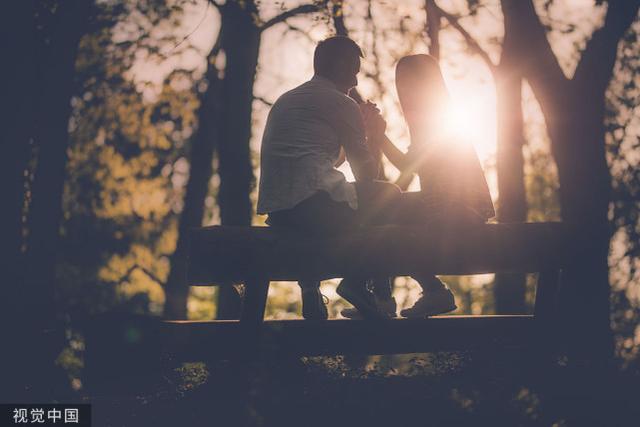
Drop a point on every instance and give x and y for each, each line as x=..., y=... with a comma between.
x=453, y=173
x=421, y=90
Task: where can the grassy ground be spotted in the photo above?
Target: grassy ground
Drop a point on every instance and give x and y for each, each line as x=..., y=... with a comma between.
x=442, y=389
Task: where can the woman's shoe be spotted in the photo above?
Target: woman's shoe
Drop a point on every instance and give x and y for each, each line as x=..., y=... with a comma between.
x=435, y=302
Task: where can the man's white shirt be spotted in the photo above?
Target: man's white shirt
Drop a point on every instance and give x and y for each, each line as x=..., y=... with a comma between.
x=301, y=143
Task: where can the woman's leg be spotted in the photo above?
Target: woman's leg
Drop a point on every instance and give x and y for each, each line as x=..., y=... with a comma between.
x=415, y=208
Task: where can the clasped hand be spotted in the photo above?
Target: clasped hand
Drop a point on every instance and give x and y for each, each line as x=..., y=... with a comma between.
x=374, y=123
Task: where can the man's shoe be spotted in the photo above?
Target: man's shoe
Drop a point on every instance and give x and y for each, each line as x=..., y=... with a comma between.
x=314, y=306
x=361, y=299
x=434, y=303
x=388, y=307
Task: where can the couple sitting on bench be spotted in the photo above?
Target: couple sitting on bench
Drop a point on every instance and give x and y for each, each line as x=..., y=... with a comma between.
x=309, y=131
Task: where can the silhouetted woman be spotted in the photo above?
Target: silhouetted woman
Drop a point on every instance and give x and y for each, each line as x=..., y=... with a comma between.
x=453, y=188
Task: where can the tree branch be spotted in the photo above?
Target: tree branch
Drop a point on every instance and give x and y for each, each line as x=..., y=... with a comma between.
x=475, y=47
x=134, y=267
x=300, y=31
x=341, y=30
x=540, y=67
x=599, y=57
x=300, y=10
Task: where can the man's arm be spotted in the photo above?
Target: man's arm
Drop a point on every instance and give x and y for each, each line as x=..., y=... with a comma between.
x=350, y=127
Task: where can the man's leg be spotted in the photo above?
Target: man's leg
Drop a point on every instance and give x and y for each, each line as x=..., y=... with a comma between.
x=313, y=302
x=377, y=201
x=329, y=217
x=321, y=215
x=382, y=289
x=354, y=290
x=381, y=292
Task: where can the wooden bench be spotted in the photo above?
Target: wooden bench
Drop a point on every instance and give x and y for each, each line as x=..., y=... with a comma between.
x=255, y=256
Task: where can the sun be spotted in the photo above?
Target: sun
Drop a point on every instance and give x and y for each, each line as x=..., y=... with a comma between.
x=460, y=121
x=473, y=120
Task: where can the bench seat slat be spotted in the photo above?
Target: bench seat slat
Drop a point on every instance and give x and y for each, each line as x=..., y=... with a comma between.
x=188, y=340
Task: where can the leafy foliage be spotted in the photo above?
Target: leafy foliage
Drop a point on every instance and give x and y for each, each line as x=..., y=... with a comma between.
x=623, y=146
x=123, y=185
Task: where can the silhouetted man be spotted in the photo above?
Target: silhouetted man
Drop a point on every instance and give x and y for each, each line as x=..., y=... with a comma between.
x=300, y=186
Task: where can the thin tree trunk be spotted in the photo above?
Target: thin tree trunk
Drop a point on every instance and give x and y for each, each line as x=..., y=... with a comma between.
x=337, y=13
x=17, y=105
x=510, y=288
x=52, y=138
x=200, y=171
x=241, y=44
x=433, y=27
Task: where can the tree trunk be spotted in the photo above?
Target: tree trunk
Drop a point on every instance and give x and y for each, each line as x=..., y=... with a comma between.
x=43, y=118
x=200, y=171
x=574, y=112
x=241, y=44
x=509, y=288
x=337, y=13
x=585, y=187
x=52, y=138
x=17, y=105
x=433, y=28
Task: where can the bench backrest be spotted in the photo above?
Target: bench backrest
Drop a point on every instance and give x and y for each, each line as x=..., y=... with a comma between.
x=223, y=254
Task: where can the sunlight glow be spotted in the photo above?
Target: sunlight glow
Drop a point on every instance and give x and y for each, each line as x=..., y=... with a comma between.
x=471, y=117
x=460, y=122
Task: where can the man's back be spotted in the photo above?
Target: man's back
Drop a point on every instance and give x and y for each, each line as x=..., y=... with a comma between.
x=301, y=143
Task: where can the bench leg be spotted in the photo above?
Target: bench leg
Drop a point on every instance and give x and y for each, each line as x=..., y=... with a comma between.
x=548, y=346
x=545, y=314
x=546, y=295
x=255, y=300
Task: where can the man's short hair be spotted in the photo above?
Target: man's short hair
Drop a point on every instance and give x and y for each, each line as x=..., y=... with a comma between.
x=328, y=50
